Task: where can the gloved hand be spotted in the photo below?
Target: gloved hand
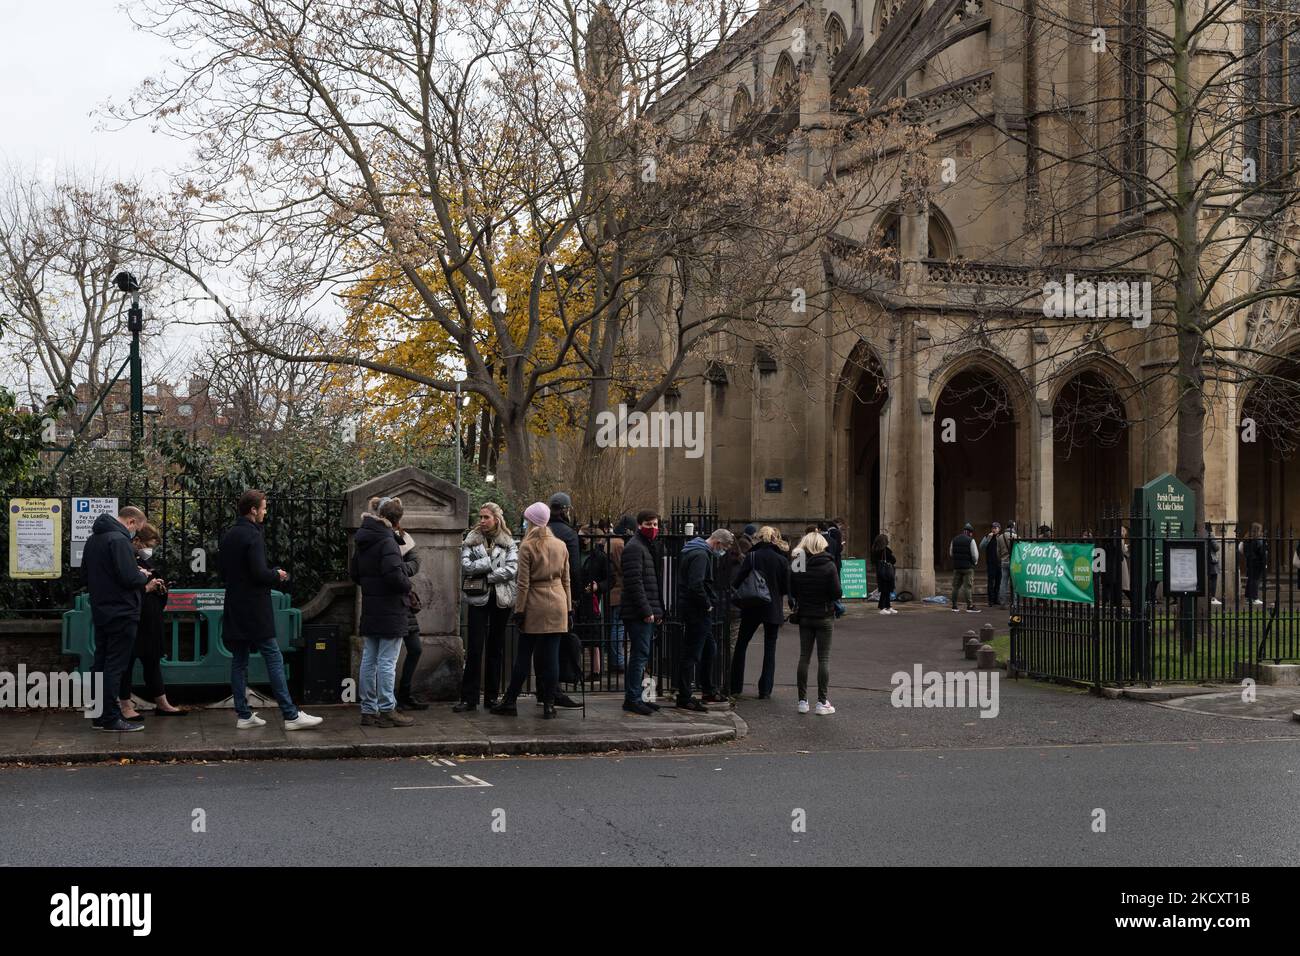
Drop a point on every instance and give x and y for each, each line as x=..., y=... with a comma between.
x=519, y=619
x=570, y=620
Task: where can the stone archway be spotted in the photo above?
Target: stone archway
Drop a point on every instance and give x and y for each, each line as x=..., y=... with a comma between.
x=861, y=403
x=1090, y=452
x=1268, y=468
x=981, y=454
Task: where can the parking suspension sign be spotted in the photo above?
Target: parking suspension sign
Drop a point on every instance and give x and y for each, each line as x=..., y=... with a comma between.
x=1045, y=569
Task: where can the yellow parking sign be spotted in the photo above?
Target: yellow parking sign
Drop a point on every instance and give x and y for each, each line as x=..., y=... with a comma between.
x=35, y=538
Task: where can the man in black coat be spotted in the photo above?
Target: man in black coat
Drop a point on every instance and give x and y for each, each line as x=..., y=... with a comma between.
x=116, y=585
x=696, y=598
x=248, y=621
x=641, y=609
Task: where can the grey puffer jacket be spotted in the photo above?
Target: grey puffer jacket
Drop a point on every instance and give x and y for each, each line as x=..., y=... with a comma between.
x=498, y=561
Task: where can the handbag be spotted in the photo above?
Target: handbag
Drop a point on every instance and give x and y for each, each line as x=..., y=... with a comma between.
x=752, y=591
x=474, y=587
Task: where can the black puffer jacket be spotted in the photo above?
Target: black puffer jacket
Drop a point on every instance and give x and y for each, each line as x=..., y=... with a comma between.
x=114, y=581
x=775, y=567
x=816, y=589
x=377, y=567
x=641, y=597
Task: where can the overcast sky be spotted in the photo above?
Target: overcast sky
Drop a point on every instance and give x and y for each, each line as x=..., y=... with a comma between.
x=60, y=60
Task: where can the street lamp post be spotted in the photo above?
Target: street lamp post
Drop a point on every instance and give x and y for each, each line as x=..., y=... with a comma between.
x=458, y=433
x=128, y=283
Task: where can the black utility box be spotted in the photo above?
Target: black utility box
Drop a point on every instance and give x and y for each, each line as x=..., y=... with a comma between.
x=322, y=680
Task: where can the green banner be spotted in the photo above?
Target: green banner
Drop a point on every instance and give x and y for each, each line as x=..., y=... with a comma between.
x=853, y=577
x=1059, y=572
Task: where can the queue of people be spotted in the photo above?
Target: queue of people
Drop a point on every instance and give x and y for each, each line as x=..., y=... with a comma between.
x=128, y=598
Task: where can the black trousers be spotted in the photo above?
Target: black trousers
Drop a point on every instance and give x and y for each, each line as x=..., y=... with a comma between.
x=487, y=634
x=748, y=627
x=995, y=583
x=698, y=653
x=114, y=645
x=153, y=675
x=411, y=641
x=547, y=647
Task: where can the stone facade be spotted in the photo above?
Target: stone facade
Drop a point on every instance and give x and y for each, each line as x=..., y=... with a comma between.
x=436, y=513
x=940, y=392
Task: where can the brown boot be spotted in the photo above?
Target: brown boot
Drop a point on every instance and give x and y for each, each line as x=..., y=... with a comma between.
x=393, y=718
x=369, y=720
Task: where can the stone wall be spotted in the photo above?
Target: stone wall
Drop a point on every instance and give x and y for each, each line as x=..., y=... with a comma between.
x=436, y=515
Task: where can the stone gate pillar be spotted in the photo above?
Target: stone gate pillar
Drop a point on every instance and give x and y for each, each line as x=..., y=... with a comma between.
x=435, y=515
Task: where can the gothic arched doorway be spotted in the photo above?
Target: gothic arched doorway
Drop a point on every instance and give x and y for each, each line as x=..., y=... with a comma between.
x=1090, y=454
x=975, y=458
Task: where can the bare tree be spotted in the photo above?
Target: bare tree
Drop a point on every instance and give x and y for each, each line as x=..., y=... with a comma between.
x=61, y=244
x=436, y=140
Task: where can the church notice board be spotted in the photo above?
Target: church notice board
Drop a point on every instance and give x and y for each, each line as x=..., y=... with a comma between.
x=853, y=577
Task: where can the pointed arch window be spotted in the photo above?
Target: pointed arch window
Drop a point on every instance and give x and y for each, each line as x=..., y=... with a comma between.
x=741, y=104
x=784, y=83
x=836, y=37
x=1133, y=86
x=1271, y=91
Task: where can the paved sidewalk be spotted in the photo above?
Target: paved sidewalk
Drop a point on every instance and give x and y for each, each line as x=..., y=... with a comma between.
x=59, y=736
x=1270, y=703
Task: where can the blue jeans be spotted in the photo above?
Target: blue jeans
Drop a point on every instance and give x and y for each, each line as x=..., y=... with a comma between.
x=270, y=651
x=615, y=637
x=640, y=634
x=379, y=673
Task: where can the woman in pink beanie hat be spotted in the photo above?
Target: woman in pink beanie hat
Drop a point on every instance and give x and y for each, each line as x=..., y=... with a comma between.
x=543, y=607
x=538, y=514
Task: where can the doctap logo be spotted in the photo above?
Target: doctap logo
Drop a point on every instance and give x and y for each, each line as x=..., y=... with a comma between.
x=1086, y=299
x=950, y=689
x=76, y=909
x=651, y=430
x=55, y=689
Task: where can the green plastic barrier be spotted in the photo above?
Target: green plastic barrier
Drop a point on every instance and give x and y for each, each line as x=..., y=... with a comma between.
x=193, y=650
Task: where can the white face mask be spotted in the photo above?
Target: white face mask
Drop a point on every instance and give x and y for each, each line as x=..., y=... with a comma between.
x=146, y=553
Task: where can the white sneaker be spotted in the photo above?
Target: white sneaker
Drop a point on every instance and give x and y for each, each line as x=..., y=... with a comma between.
x=1217, y=602
x=803, y=706
x=302, y=721
x=250, y=723
x=824, y=708
x=885, y=610
x=893, y=610
x=1257, y=602
x=956, y=610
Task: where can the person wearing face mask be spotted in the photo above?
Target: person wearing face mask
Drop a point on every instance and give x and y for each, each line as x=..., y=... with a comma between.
x=116, y=585
x=642, y=608
x=148, y=648
x=697, y=597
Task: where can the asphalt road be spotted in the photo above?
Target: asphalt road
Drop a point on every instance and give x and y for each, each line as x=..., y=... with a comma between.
x=1227, y=803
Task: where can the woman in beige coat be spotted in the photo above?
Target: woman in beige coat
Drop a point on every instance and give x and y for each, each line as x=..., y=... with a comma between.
x=543, y=608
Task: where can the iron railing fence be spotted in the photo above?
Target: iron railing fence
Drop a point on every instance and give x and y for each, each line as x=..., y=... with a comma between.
x=1249, y=614
x=304, y=534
